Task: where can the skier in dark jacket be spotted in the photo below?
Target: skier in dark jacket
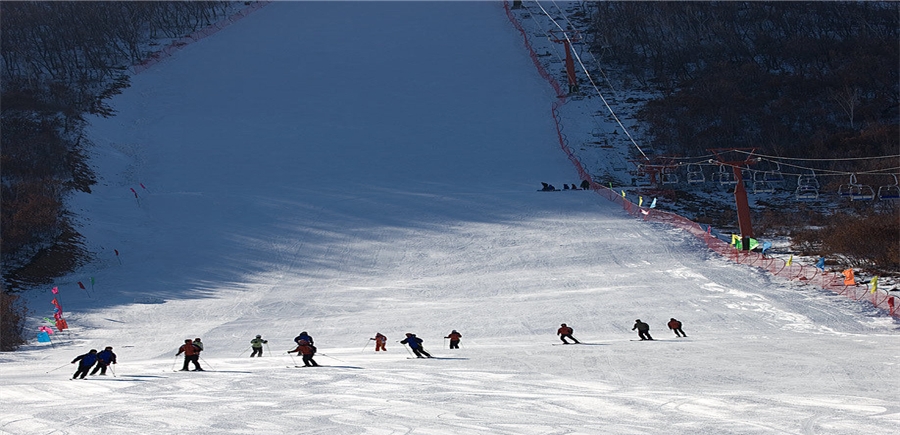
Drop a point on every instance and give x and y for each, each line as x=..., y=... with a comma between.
x=675, y=325
x=415, y=343
x=643, y=330
x=86, y=362
x=566, y=332
x=104, y=359
x=304, y=336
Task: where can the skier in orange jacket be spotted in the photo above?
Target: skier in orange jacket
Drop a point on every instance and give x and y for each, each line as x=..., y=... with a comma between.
x=380, y=341
x=454, y=339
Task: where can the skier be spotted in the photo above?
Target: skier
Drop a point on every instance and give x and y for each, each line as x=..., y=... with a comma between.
x=380, y=341
x=643, y=330
x=415, y=343
x=585, y=184
x=257, y=345
x=199, y=345
x=87, y=361
x=303, y=336
x=191, y=355
x=104, y=359
x=566, y=332
x=306, y=349
x=675, y=325
x=454, y=339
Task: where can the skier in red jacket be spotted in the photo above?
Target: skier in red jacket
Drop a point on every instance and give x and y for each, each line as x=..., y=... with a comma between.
x=307, y=350
x=191, y=355
x=566, y=332
x=675, y=325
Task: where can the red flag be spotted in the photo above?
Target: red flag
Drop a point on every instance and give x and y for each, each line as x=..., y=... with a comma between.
x=81, y=285
x=61, y=324
x=55, y=290
x=133, y=191
x=142, y=186
x=55, y=303
x=117, y=252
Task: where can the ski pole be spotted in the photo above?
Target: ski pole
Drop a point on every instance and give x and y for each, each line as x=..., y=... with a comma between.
x=367, y=345
x=112, y=368
x=174, y=362
x=207, y=364
x=407, y=349
x=267, y=349
x=292, y=357
x=245, y=351
x=326, y=356
x=445, y=343
x=57, y=368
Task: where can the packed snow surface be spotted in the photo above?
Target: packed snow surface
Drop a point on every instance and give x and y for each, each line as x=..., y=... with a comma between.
x=351, y=168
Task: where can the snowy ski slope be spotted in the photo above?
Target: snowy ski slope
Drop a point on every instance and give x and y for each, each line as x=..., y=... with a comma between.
x=352, y=168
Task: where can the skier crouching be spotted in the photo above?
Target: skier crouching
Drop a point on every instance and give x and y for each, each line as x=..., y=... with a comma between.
x=415, y=343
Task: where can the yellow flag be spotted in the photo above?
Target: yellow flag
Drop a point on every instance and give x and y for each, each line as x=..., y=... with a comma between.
x=623, y=194
x=640, y=200
x=790, y=260
x=734, y=239
x=874, y=283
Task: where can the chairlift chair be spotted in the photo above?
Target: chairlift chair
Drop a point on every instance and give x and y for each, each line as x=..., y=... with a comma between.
x=806, y=193
x=669, y=178
x=724, y=177
x=775, y=176
x=695, y=174
x=760, y=185
x=808, y=180
x=889, y=192
x=856, y=191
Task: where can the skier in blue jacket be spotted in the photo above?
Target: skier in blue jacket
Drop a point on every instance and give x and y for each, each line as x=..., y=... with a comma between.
x=87, y=361
x=104, y=359
x=415, y=343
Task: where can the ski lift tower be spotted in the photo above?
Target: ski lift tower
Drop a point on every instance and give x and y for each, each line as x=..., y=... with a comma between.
x=740, y=192
x=567, y=38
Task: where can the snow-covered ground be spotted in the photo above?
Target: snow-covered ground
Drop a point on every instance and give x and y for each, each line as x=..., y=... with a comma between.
x=352, y=168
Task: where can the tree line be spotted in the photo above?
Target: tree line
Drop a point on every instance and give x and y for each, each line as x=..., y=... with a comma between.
x=810, y=80
x=794, y=79
x=60, y=62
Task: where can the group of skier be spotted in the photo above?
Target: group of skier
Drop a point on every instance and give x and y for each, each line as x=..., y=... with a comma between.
x=307, y=350
x=642, y=328
x=98, y=360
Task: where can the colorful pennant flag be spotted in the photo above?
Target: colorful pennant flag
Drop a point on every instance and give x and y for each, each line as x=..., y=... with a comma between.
x=640, y=201
x=790, y=260
x=821, y=263
x=653, y=204
x=849, y=278
x=874, y=283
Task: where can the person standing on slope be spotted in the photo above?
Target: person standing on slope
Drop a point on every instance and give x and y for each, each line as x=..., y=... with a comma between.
x=257, y=345
x=454, y=339
x=415, y=343
x=380, y=341
x=86, y=362
x=643, y=330
x=104, y=359
x=675, y=325
x=565, y=332
x=307, y=350
x=191, y=355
